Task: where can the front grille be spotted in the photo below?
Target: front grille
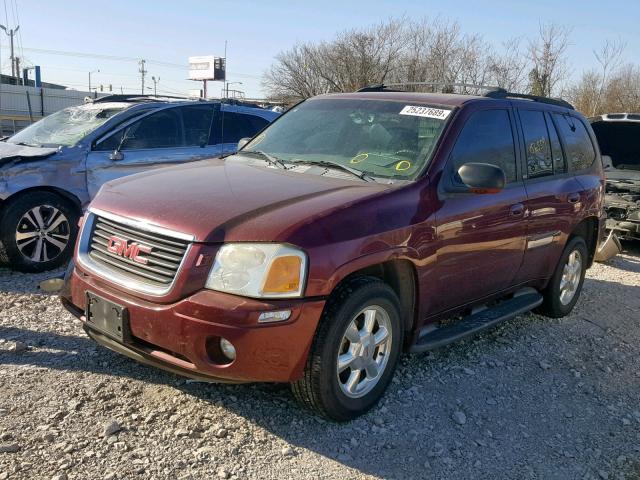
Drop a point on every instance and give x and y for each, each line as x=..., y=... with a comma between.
x=163, y=260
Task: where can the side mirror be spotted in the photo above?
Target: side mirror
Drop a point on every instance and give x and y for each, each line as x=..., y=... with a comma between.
x=482, y=177
x=243, y=141
x=117, y=154
x=607, y=162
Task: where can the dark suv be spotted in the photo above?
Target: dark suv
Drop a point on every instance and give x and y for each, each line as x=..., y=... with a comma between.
x=353, y=228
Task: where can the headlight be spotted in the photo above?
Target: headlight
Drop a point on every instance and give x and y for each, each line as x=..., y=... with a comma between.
x=267, y=270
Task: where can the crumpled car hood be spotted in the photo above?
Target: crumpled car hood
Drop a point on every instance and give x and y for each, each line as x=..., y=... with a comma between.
x=218, y=201
x=10, y=152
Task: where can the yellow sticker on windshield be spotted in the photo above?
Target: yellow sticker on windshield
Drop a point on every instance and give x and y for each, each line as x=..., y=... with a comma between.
x=403, y=165
x=361, y=157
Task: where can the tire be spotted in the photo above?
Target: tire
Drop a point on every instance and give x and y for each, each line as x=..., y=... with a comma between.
x=555, y=304
x=38, y=231
x=325, y=390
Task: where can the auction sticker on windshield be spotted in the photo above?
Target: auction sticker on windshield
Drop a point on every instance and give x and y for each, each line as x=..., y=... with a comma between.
x=428, y=112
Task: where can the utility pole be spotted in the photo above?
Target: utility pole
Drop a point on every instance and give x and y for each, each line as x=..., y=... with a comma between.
x=143, y=72
x=155, y=85
x=11, y=33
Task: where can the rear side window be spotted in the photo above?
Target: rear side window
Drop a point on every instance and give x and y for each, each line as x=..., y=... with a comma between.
x=537, y=144
x=487, y=137
x=240, y=125
x=559, y=162
x=197, y=123
x=578, y=146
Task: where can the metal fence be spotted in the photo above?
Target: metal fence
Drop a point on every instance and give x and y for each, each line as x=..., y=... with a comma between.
x=20, y=105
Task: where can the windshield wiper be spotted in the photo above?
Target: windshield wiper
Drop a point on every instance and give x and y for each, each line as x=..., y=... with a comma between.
x=275, y=161
x=338, y=166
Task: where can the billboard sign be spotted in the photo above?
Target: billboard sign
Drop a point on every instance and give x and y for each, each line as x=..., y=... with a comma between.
x=206, y=68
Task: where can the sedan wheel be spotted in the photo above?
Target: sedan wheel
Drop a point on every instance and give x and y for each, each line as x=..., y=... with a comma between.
x=43, y=233
x=38, y=231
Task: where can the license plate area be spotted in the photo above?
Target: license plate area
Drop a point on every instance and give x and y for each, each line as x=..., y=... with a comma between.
x=107, y=317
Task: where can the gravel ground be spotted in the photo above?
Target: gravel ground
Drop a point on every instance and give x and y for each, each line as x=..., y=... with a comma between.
x=533, y=398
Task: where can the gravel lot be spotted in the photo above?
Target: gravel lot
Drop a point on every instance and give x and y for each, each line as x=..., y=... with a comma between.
x=534, y=398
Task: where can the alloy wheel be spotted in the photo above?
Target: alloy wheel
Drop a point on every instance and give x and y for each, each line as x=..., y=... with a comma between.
x=364, y=351
x=571, y=275
x=43, y=233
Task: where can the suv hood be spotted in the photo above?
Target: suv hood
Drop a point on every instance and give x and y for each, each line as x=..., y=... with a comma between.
x=217, y=201
x=10, y=152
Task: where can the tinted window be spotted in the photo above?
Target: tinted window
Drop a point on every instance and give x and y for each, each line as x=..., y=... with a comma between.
x=559, y=163
x=197, y=122
x=578, y=146
x=239, y=125
x=536, y=143
x=487, y=138
x=158, y=130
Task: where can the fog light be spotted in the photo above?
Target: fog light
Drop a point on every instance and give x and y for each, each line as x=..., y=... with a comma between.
x=278, y=316
x=228, y=349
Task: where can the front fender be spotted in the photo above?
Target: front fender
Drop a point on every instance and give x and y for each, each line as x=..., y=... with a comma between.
x=366, y=261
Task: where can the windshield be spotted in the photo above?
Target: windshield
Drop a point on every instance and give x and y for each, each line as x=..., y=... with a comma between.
x=66, y=127
x=386, y=139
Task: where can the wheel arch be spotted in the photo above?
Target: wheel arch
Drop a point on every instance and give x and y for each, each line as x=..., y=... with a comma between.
x=45, y=188
x=402, y=277
x=588, y=230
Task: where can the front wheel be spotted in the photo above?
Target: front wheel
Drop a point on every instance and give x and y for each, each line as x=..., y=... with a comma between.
x=564, y=288
x=38, y=231
x=354, y=352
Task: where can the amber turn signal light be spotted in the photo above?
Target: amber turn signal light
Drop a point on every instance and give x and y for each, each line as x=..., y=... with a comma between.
x=284, y=275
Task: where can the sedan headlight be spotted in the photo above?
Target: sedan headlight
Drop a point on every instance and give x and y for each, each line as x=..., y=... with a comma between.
x=263, y=270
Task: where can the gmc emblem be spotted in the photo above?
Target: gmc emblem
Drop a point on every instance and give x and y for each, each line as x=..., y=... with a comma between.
x=132, y=250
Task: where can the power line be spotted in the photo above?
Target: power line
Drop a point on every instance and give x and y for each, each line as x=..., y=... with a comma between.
x=122, y=59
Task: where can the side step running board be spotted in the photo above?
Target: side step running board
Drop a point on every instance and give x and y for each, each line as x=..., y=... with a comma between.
x=477, y=322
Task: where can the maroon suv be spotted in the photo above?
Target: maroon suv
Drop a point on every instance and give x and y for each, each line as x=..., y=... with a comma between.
x=353, y=228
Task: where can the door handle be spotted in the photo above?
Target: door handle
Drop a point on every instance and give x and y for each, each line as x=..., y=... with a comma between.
x=573, y=198
x=516, y=210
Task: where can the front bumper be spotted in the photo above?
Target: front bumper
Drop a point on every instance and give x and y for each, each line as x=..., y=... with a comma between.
x=174, y=336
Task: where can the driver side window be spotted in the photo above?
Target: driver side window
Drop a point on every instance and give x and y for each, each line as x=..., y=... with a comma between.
x=487, y=137
x=158, y=130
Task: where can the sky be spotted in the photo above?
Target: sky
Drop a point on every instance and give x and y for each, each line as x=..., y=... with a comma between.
x=166, y=33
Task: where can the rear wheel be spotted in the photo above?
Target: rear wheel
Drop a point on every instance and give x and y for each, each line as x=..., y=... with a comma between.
x=38, y=231
x=354, y=352
x=565, y=286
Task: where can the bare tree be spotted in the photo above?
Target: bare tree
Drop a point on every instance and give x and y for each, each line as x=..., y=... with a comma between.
x=293, y=74
x=623, y=92
x=360, y=57
x=609, y=59
x=508, y=68
x=547, y=55
x=583, y=95
x=437, y=51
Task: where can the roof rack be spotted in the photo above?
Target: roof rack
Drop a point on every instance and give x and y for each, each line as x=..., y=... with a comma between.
x=160, y=98
x=489, y=91
x=390, y=87
x=134, y=98
x=536, y=98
